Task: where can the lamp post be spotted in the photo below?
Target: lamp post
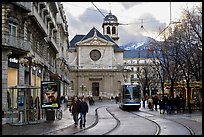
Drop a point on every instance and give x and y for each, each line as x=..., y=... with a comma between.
x=82, y=89
x=29, y=61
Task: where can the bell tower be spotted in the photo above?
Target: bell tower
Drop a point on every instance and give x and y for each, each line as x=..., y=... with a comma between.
x=110, y=26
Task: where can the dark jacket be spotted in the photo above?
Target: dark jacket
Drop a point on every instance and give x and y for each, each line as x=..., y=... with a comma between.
x=83, y=107
x=75, y=106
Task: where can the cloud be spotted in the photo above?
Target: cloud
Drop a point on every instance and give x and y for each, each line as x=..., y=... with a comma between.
x=129, y=4
x=85, y=22
x=127, y=36
x=92, y=18
x=150, y=23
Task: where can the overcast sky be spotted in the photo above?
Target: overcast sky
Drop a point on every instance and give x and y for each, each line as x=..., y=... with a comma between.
x=154, y=16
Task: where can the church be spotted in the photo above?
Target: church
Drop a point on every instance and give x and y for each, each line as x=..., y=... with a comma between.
x=96, y=61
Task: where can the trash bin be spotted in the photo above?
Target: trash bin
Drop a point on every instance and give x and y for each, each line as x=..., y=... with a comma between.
x=50, y=114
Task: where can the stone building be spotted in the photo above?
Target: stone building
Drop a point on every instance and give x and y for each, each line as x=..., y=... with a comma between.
x=34, y=45
x=142, y=70
x=96, y=61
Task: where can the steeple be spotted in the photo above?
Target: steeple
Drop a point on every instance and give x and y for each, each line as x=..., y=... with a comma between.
x=110, y=26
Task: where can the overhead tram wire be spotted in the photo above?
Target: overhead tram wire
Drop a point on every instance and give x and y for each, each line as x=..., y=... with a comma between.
x=98, y=9
x=149, y=21
x=104, y=15
x=142, y=27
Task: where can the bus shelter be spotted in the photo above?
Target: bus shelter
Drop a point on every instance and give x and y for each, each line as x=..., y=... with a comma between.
x=24, y=106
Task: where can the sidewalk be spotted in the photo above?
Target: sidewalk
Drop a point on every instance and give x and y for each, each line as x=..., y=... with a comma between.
x=46, y=127
x=195, y=115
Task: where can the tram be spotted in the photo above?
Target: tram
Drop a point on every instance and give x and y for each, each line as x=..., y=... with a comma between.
x=130, y=96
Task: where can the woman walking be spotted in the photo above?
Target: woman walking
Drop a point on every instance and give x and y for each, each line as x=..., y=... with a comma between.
x=74, y=108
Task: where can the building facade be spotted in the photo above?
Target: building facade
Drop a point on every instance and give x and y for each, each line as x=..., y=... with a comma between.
x=143, y=71
x=96, y=64
x=34, y=45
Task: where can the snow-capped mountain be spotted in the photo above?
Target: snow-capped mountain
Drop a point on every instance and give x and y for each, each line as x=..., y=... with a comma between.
x=137, y=49
x=132, y=45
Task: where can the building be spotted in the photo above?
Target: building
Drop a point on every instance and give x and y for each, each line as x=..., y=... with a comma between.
x=110, y=26
x=96, y=62
x=143, y=71
x=34, y=46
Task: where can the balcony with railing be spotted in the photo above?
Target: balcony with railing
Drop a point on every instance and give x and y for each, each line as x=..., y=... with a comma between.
x=52, y=43
x=16, y=43
x=38, y=18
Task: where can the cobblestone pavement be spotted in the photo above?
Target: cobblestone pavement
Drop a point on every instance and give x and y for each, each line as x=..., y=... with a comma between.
x=193, y=121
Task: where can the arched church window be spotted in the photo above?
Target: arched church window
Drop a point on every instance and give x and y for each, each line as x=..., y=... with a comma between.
x=113, y=30
x=108, y=30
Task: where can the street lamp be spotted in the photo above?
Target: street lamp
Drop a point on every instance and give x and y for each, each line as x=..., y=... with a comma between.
x=83, y=87
x=27, y=61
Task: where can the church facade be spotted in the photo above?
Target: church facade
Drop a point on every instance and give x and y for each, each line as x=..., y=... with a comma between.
x=96, y=62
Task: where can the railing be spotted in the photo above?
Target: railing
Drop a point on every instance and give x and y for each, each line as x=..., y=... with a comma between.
x=95, y=67
x=16, y=42
x=39, y=19
x=51, y=40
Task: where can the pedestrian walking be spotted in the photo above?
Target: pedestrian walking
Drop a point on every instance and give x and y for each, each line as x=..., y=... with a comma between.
x=165, y=99
x=161, y=105
x=74, y=108
x=116, y=99
x=183, y=102
x=150, y=103
x=83, y=110
x=143, y=102
x=100, y=98
x=177, y=103
x=91, y=101
x=155, y=102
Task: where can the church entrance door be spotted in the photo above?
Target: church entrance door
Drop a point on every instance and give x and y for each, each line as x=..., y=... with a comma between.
x=95, y=89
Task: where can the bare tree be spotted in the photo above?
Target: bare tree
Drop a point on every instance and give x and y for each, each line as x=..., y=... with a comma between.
x=186, y=42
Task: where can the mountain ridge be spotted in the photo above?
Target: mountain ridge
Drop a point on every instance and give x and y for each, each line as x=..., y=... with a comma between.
x=137, y=49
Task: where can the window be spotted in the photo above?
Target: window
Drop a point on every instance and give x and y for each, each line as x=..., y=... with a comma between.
x=113, y=30
x=12, y=29
x=132, y=69
x=13, y=35
x=108, y=30
x=145, y=62
x=13, y=23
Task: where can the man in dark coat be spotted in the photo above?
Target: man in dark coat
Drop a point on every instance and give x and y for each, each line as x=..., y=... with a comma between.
x=83, y=110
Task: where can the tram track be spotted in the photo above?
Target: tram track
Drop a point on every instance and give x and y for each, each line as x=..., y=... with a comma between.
x=159, y=129
x=116, y=126
x=106, y=122
x=101, y=119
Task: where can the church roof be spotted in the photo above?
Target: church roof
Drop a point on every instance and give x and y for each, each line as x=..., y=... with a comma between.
x=110, y=17
x=91, y=34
